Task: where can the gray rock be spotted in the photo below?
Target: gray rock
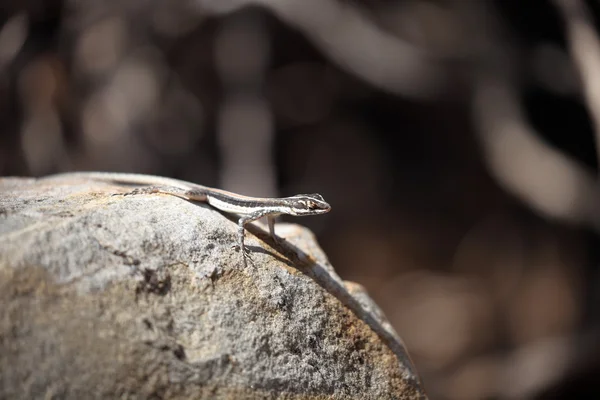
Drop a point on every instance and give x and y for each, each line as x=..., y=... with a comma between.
x=144, y=297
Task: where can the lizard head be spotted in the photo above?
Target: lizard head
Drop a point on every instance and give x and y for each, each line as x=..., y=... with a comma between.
x=308, y=204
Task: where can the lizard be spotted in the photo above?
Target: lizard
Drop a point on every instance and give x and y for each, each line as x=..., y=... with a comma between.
x=247, y=208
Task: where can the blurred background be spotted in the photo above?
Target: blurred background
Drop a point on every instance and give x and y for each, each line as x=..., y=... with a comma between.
x=457, y=142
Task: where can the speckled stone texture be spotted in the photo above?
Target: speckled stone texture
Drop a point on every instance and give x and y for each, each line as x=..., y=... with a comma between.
x=145, y=296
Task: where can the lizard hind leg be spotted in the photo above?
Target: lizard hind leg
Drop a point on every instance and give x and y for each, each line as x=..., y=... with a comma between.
x=138, y=190
x=142, y=190
x=170, y=190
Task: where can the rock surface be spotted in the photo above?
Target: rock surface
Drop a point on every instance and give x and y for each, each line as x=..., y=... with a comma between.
x=143, y=296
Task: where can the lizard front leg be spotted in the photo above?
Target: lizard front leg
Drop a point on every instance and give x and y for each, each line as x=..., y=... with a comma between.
x=271, y=223
x=242, y=221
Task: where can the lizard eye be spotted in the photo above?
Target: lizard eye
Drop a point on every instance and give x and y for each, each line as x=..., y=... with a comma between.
x=312, y=205
x=309, y=204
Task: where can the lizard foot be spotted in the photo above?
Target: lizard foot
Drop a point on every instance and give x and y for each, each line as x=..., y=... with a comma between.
x=245, y=255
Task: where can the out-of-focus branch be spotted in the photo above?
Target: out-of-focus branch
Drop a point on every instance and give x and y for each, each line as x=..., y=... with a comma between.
x=351, y=40
x=538, y=174
x=544, y=178
x=585, y=49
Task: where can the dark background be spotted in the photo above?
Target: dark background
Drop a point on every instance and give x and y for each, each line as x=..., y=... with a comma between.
x=445, y=137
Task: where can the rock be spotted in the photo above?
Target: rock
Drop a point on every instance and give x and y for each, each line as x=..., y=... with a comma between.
x=143, y=296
